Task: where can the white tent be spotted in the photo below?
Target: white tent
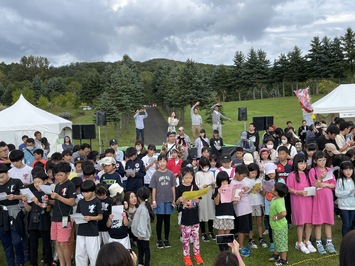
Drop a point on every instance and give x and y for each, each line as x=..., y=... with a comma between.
x=340, y=102
x=23, y=118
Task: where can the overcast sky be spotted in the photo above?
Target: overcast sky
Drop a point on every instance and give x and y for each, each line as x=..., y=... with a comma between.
x=206, y=31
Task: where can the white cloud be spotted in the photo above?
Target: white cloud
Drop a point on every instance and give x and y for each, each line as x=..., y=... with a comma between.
x=207, y=31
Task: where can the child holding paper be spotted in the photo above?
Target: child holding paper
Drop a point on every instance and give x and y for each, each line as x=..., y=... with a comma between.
x=39, y=224
x=118, y=223
x=63, y=199
x=257, y=202
x=141, y=225
x=323, y=204
x=301, y=205
x=87, y=239
x=242, y=207
x=271, y=177
x=189, y=217
x=224, y=220
x=206, y=209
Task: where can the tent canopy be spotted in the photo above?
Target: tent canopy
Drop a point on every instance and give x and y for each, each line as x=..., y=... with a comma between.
x=341, y=100
x=23, y=118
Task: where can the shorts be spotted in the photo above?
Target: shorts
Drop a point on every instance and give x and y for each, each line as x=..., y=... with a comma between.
x=126, y=242
x=280, y=237
x=164, y=208
x=257, y=210
x=60, y=234
x=223, y=224
x=244, y=223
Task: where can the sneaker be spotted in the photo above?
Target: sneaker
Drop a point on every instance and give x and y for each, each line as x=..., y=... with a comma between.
x=205, y=238
x=289, y=226
x=281, y=262
x=252, y=243
x=330, y=248
x=187, y=261
x=310, y=247
x=274, y=257
x=245, y=252
x=301, y=247
x=266, y=232
x=167, y=244
x=212, y=235
x=262, y=243
x=272, y=247
x=321, y=249
x=198, y=259
x=160, y=244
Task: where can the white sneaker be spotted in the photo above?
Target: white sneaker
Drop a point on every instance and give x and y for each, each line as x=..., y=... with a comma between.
x=301, y=247
x=266, y=232
x=310, y=247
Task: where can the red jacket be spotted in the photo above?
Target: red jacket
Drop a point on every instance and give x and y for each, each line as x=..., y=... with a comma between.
x=173, y=167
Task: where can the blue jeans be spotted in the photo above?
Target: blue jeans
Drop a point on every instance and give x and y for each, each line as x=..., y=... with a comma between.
x=11, y=239
x=140, y=132
x=347, y=216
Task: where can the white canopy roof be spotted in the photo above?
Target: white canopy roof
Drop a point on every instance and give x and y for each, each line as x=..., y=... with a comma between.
x=23, y=118
x=341, y=100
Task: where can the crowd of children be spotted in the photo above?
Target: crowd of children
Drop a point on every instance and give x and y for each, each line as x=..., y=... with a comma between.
x=92, y=201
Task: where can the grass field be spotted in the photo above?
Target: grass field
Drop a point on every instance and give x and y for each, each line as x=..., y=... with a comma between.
x=282, y=109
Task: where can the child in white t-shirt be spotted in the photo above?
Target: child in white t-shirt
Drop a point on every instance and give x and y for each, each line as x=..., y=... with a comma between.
x=20, y=170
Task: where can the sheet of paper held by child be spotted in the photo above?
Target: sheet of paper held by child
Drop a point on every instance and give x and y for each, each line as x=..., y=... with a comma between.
x=268, y=184
x=255, y=188
x=78, y=218
x=231, y=193
x=117, y=211
x=195, y=194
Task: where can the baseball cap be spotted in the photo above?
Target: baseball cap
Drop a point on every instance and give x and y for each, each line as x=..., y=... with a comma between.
x=270, y=168
x=215, y=131
x=226, y=158
x=114, y=189
x=113, y=142
x=79, y=160
x=170, y=133
x=181, y=129
x=331, y=147
x=244, y=135
x=107, y=161
x=248, y=159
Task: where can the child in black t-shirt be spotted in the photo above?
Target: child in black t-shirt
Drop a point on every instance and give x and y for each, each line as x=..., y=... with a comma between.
x=189, y=219
x=63, y=199
x=39, y=220
x=118, y=227
x=87, y=239
x=224, y=221
x=101, y=193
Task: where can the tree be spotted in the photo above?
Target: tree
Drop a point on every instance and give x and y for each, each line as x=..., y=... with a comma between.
x=315, y=61
x=42, y=102
x=90, y=87
x=348, y=45
x=37, y=87
x=238, y=73
x=297, y=67
x=279, y=71
x=55, y=86
x=337, y=59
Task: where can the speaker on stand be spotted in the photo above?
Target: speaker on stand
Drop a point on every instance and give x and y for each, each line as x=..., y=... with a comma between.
x=243, y=115
x=100, y=121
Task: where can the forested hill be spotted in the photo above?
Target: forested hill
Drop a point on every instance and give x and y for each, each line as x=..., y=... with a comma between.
x=119, y=87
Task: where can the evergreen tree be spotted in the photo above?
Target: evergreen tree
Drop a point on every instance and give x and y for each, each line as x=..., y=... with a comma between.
x=348, y=45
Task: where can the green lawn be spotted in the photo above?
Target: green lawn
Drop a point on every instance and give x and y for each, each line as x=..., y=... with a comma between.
x=260, y=256
x=282, y=109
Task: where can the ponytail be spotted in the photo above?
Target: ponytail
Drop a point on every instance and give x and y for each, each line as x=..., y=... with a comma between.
x=143, y=194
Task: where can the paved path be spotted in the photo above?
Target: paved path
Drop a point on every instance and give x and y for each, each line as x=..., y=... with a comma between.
x=155, y=127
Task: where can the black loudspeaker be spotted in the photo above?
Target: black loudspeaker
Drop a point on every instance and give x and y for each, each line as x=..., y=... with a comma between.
x=88, y=131
x=269, y=120
x=101, y=119
x=261, y=122
x=242, y=114
x=77, y=132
